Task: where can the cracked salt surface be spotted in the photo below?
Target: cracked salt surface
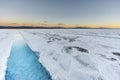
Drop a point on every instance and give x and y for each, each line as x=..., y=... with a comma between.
x=23, y=63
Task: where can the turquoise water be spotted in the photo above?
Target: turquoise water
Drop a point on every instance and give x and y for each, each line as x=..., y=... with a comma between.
x=23, y=64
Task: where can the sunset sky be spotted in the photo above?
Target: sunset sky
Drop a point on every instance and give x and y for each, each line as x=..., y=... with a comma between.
x=66, y=13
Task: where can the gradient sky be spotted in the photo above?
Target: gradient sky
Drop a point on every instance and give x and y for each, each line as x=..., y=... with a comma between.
x=102, y=13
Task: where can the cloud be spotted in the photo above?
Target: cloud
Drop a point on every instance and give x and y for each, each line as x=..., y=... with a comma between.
x=61, y=24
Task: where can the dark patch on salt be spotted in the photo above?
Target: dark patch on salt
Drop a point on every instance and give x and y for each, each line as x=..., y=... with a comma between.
x=116, y=53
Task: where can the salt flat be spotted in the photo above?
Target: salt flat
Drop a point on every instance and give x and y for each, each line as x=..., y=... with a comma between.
x=6, y=38
x=77, y=54
x=70, y=54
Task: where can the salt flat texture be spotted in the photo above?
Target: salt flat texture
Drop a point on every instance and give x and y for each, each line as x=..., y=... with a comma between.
x=6, y=37
x=69, y=54
x=81, y=54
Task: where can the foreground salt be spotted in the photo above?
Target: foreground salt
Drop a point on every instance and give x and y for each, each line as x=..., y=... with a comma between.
x=23, y=64
x=77, y=54
x=6, y=37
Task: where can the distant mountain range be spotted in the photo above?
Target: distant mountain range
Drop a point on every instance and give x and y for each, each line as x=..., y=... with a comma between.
x=30, y=27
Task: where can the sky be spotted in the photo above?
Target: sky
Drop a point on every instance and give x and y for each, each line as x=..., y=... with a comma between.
x=66, y=13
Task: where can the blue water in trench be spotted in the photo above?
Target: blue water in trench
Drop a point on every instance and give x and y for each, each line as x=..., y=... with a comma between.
x=23, y=64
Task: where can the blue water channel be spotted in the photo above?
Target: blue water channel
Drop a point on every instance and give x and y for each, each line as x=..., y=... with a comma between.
x=23, y=63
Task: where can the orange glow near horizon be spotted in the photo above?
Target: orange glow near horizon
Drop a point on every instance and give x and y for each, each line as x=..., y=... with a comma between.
x=30, y=23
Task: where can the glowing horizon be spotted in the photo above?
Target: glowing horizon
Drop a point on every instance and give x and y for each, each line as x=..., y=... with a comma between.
x=43, y=24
